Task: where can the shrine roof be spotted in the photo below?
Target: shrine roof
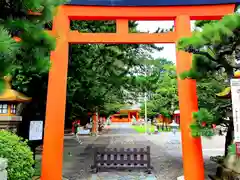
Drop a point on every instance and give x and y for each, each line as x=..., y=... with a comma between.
x=177, y=111
x=150, y=2
x=11, y=94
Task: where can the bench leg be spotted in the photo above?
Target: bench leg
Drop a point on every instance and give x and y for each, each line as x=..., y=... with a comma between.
x=149, y=171
x=94, y=169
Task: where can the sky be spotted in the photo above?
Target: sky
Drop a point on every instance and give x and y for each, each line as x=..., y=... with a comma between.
x=169, y=51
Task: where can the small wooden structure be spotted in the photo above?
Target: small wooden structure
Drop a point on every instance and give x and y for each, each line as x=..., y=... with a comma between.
x=9, y=99
x=176, y=116
x=162, y=120
x=126, y=114
x=113, y=158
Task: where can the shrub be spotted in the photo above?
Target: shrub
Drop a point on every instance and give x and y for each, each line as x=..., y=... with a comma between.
x=19, y=155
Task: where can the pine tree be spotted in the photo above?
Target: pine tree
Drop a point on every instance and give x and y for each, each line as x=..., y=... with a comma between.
x=215, y=50
x=8, y=50
x=35, y=45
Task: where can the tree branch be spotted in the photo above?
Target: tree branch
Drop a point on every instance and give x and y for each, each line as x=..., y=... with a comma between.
x=220, y=61
x=206, y=54
x=226, y=105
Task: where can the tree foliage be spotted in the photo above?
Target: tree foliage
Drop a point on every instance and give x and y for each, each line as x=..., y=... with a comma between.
x=215, y=48
x=216, y=55
x=35, y=45
x=108, y=69
x=18, y=154
x=99, y=76
x=164, y=97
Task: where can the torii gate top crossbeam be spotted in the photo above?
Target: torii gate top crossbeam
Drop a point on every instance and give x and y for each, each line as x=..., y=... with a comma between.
x=71, y=12
x=150, y=2
x=206, y=12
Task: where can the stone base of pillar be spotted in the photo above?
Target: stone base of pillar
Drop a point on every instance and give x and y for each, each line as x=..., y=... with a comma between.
x=180, y=178
x=38, y=177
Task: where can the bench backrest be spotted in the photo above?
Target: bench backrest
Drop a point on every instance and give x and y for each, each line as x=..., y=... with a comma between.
x=124, y=156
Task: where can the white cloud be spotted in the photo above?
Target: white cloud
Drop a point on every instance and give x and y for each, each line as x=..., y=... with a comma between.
x=169, y=50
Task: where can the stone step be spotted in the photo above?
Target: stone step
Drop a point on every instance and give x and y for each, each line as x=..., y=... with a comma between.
x=38, y=178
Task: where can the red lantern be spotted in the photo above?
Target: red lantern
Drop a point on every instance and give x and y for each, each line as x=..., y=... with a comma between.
x=73, y=126
x=237, y=148
x=214, y=126
x=204, y=124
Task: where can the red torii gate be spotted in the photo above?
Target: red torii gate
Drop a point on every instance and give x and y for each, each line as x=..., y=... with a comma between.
x=54, y=132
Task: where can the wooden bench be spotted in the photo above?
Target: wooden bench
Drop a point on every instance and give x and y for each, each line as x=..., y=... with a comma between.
x=113, y=158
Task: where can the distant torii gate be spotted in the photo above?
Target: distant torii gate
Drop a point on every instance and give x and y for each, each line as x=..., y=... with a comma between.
x=54, y=125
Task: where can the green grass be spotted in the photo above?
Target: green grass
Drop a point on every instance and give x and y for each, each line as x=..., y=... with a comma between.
x=141, y=129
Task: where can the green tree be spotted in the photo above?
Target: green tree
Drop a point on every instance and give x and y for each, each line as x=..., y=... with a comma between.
x=98, y=76
x=164, y=96
x=215, y=49
x=109, y=69
x=35, y=45
x=8, y=50
x=28, y=59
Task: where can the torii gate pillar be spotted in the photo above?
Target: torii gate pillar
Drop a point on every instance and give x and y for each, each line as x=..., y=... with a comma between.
x=191, y=147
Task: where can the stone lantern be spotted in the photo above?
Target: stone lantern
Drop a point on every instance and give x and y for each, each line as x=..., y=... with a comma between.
x=9, y=100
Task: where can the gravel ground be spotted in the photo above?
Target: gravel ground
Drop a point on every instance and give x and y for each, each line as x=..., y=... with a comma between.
x=165, y=154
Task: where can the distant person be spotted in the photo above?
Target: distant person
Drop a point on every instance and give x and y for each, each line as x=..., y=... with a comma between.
x=109, y=119
x=75, y=124
x=134, y=120
x=76, y=127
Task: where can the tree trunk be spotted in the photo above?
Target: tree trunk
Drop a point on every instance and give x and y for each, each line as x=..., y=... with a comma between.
x=229, y=137
x=163, y=120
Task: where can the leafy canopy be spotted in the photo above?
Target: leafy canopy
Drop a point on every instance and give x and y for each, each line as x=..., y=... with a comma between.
x=215, y=48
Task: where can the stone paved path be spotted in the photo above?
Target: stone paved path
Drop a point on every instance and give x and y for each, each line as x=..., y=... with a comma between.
x=78, y=158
